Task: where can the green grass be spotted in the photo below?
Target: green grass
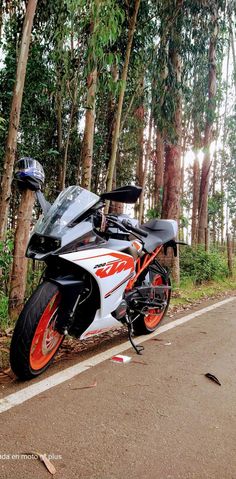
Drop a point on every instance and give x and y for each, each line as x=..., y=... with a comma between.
x=188, y=292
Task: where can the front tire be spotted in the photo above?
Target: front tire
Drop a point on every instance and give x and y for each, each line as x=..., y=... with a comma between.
x=35, y=340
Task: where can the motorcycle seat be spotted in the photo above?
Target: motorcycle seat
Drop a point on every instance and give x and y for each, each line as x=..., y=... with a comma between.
x=159, y=232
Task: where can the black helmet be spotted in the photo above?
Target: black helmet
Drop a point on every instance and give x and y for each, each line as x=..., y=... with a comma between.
x=29, y=174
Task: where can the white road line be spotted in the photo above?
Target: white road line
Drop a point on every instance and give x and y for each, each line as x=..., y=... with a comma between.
x=34, y=389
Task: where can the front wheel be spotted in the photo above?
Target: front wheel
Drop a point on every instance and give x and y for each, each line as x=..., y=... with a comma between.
x=147, y=323
x=35, y=340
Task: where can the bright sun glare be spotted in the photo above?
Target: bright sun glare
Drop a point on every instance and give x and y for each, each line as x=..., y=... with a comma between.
x=190, y=155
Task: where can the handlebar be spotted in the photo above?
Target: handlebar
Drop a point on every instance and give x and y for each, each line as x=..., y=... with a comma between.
x=128, y=225
x=124, y=225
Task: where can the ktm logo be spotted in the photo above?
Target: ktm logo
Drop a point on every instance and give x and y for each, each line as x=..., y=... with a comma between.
x=115, y=266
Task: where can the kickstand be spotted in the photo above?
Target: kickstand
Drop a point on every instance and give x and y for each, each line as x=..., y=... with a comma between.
x=136, y=347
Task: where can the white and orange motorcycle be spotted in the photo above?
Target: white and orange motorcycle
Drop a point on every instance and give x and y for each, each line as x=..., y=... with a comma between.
x=101, y=272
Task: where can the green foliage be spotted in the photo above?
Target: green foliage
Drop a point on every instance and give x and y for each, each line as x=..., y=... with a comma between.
x=215, y=203
x=2, y=124
x=200, y=266
x=6, y=249
x=183, y=221
x=152, y=213
x=4, y=320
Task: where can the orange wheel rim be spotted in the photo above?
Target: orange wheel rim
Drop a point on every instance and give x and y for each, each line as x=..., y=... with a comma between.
x=46, y=339
x=153, y=318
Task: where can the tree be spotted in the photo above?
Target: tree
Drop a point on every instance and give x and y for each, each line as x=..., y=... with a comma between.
x=116, y=132
x=170, y=206
x=87, y=144
x=18, y=278
x=15, y=116
x=208, y=136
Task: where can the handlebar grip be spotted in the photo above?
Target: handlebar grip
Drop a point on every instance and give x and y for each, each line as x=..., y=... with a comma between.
x=130, y=227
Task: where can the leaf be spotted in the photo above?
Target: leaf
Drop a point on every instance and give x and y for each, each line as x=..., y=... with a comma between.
x=93, y=385
x=213, y=378
x=139, y=362
x=50, y=467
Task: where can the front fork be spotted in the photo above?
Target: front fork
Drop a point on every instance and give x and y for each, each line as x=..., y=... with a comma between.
x=71, y=290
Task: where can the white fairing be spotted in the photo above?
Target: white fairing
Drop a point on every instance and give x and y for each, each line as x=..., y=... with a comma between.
x=112, y=271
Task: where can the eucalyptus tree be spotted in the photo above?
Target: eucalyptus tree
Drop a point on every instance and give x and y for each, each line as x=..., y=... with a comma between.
x=215, y=11
x=105, y=19
x=15, y=116
x=124, y=73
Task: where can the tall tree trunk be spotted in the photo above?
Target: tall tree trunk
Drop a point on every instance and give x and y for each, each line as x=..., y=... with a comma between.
x=72, y=111
x=124, y=74
x=1, y=18
x=19, y=267
x=233, y=50
x=140, y=141
x=144, y=176
x=170, y=207
x=87, y=145
x=205, y=175
x=15, y=116
x=222, y=166
x=196, y=189
x=111, y=114
x=159, y=171
x=59, y=134
x=173, y=149
x=196, y=182
x=160, y=187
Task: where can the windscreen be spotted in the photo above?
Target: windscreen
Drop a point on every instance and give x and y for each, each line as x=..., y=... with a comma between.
x=70, y=204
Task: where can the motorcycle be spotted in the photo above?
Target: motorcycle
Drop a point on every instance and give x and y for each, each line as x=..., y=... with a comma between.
x=101, y=271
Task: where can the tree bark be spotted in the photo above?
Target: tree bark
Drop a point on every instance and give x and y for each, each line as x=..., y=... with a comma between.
x=87, y=145
x=19, y=267
x=140, y=141
x=171, y=200
x=111, y=114
x=196, y=189
x=72, y=111
x=222, y=182
x=233, y=51
x=159, y=171
x=124, y=74
x=144, y=176
x=230, y=254
x=196, y=182
x=208, y=136
x=15, y=116
x=173, y=149
x=59, y=133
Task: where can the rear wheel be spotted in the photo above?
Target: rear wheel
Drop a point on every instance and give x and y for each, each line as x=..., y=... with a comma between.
x=35, y=340
x=147, y=323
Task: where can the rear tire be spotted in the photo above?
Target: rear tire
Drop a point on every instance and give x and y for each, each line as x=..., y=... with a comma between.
x=35, y=341
x=146, y=324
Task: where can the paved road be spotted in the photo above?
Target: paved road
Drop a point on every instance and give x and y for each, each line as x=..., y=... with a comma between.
x=161, y=419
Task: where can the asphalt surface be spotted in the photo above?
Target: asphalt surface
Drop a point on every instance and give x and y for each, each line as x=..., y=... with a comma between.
x=158, y=416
